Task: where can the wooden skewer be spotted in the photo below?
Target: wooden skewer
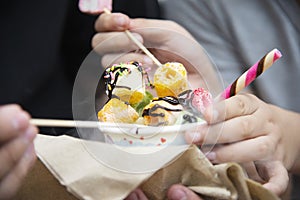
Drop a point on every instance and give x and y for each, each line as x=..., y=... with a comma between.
x=79, y=124
x=113, y=127
x=139, y=44
x=62, y=123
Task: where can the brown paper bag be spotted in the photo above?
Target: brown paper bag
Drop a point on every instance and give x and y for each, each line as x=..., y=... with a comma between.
x=40, y=184
x=77, y=171
x=224, y=181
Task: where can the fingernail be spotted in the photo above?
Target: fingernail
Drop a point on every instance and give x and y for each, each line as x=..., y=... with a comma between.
x=211, y=114
x=120, y=21
x=193, y=137
x=132, y=24
x=215, y=114
x=30, y=153
x=147, y=60
x=132, y=196
x=178, y=195
x=20, y=121
x=211, y=156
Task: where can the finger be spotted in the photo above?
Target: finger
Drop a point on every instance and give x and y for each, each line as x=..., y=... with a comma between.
x=11, y=153
x=244, y=151
x=137, y=194
x=112, y=22
x=109, y=59
x=178, y=192
x=114, y=42
x=239, y=105
x=252, y=172
x=10, y=183
x=12, y=120
x=232, y=130
x=275, y=174
x=152, y=29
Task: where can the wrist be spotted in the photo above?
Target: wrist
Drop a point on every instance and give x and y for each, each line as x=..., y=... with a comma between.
x=290, y=129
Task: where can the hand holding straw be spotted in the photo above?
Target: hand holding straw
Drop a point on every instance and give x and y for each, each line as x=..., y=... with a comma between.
x=100, y=6
x=248, y=77
x=251, y=74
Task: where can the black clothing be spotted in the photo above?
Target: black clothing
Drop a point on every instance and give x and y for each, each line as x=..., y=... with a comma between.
x=43, y=44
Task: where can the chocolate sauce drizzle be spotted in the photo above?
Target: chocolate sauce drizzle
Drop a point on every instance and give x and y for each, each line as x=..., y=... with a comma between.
x=169, y=99
x=117, y=70
x=185, y=99
x=109, y=85
x=150, y=111
x=189, y=119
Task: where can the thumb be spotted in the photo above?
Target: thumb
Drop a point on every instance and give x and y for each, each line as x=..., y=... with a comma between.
x=112, y=22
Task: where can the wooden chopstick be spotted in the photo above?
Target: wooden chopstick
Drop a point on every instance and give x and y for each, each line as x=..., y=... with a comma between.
x=139, y=44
